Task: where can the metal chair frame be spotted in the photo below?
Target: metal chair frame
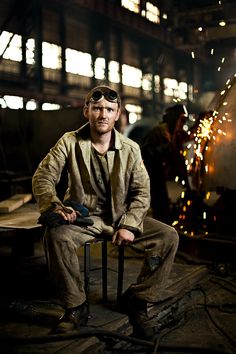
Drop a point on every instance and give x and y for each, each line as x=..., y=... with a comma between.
x=87, y=268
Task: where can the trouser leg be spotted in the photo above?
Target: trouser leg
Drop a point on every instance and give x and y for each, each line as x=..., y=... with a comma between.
x=64, y=268
x=158, y=244
x=62, y=245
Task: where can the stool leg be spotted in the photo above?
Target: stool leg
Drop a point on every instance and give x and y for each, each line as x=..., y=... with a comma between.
x=104, y=270
x=86, y=268
x=120, y=271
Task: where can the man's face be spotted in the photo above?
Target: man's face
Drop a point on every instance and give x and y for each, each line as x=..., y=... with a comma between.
x=102, y=115
x=180, y=122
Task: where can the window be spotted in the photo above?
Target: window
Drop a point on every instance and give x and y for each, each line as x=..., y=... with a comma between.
x=11, y=50
x=170, y=86
x=134, y=112
x=31, y=105
x=50, y=106
x=151, y=13
x=147, y=82
x=99, y=68
x=183, y=89
x=174, y=89
x=30, y=45
x=131, y=76
x=12, y=102
x=114, y=71
x=131, y=5
x=78, y=62
x=51, y=56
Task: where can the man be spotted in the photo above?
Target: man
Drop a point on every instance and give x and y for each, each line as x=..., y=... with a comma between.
x=162, y=152
x=106, y=177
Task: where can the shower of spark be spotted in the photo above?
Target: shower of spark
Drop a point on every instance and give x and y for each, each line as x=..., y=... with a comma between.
x=211, y=129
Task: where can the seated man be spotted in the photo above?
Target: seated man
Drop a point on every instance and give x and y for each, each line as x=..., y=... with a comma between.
x=108, y=179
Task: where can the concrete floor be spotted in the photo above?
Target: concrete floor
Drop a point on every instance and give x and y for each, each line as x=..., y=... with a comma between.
x=198, y=317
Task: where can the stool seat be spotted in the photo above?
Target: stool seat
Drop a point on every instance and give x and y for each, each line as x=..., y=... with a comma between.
x=87, y=265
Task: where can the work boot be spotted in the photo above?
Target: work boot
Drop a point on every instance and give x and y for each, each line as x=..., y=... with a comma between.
x=137, y=311
x=72, y=319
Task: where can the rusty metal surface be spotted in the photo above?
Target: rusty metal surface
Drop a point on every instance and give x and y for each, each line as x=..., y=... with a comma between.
x=221, y=154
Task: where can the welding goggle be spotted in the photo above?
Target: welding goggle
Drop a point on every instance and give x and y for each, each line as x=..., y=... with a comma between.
x=109, y=95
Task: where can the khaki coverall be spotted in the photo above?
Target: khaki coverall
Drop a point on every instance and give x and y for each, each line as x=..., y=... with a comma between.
x=130, y=200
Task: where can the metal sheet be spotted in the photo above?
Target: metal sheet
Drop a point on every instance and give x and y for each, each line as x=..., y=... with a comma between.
x=220, y=158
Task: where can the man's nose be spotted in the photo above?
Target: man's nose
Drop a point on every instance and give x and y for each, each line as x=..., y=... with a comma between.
x=103, y=112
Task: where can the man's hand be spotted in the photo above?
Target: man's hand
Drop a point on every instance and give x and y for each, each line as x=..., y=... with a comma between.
x=122, y=236
x=68, y=213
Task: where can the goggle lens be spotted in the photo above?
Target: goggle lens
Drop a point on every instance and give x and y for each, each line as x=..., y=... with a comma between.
x=110, y=95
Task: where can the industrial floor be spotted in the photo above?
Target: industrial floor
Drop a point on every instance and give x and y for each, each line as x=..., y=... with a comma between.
x=197, y=317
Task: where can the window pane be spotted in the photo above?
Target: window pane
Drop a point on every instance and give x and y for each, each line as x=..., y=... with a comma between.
x=78, y=62
x=51, y=55
x=31, y=105
x=13, y=102
x=114, y=73
x=50, y=106
x=30, y=46
x=132, y=5
x=151, y=13
x=99, y=68
x=13, y=50
x=131, y=76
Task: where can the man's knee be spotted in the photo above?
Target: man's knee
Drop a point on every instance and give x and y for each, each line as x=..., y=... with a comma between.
x=173, y=237
x=55, y=234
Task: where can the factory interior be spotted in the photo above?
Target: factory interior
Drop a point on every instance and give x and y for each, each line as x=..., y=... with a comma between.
x=156, y=54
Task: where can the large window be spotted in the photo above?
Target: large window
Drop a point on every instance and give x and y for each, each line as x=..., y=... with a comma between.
x=114, y=71
x=50, y=106
x=78, y=62
x=10, y=46
x=147, y=82
x=51, y=55
x=12, y=102
x=131, y=76
x=175, y=89
x=99, y=68
x=151, y=13
x=30, y=46
x=134, y=112
x=131, y=5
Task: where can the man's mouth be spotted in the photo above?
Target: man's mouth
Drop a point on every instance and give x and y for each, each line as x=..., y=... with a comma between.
x=103, y=122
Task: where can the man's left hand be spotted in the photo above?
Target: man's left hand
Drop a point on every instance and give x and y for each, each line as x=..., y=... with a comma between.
x=122, y=237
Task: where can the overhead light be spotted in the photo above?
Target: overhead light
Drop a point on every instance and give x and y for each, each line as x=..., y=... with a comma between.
x=192, y=54
x=222, y=23
x=200, y=29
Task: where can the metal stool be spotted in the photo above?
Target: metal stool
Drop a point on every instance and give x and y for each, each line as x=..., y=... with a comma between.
x=103, y=242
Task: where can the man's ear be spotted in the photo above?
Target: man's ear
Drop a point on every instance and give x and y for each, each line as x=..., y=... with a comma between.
x=118, y=114
x=85, y=112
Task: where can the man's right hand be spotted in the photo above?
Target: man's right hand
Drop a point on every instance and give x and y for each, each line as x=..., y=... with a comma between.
x=68, y=213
